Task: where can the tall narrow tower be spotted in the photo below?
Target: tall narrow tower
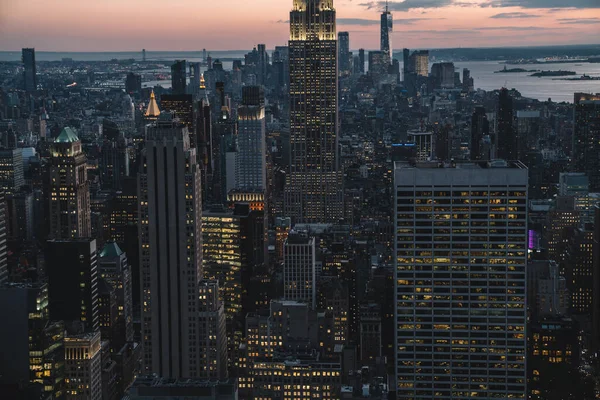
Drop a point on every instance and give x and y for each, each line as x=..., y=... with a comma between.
x=387, y=27
x=170, y=212
x=313, y=190
x=69, y=193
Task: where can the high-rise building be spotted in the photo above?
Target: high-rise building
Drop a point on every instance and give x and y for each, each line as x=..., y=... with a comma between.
x=250, y=168
x=170, y=212
x=11, y=170
x=114, y=269
x=573, y=184
x=423, y=144
x=378, y=64
x=182, y=108
x=387, y=28
x=344, y=52
x=83, y=367
x=31, y=346
x=204, y=142
x=3, y=237
x=152, y=112
x=361, y=61
x=69, y=192
x=506, y=139
x=178, y=77
x=300, y=269
x=313, y=191
x=72, y=270
x=213, y=335
x=461, y=252
x=480, y=128
x=133, y=83
x=586, y=137
x=30, y=73
x=443, y=75
x=114, y=166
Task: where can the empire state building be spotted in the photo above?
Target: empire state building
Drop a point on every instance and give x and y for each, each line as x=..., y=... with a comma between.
x=313, y=192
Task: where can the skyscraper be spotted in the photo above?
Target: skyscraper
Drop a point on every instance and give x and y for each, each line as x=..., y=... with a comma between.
x=11, y=170
x=344, y=52
x=506, y=140
x=178, y=77
x=30, y=73
x=461, y=252
x=114, y=167
x=69, y=192
x=387, y=27
x=480, y=128
x=213, y=337
x=170, y=212
x=182, y=108
x=361, y=60
x=72, y=269
x=299, y=269
x=313, y=191
x=83, y=366
x=250, y=168
x=586, y=137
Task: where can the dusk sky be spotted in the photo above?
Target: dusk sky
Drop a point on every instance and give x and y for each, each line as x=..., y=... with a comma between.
x=129, y=25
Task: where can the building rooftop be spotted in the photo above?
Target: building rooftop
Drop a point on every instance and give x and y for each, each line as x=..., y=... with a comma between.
x=67, y=135
x=492, y=164
x=111, y=250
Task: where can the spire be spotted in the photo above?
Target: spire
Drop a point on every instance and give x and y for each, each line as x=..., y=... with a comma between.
x=153, y=111
x=202, y=82
x=386, y=6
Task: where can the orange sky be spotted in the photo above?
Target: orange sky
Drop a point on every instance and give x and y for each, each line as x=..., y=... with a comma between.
x=124, y=25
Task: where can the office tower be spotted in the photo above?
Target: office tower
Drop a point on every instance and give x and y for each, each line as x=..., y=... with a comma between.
x=83, y=366
x=195, y=77
x=11, y=170
x=250, y=167
x=387, y=28
x=406, y=63
x=72, y=270
x=133, y=83
x=31, y=346
x=313, y=191
x=417, y=62
x=223, y=149
x=21, y=217
x=573, y=184
x=114, y=269
x=423, y=144
x=586, y=137
x=480, y=128
x=29, y=73
x=443, y=75
x=378, y=64
x=370, y=333
x=124, y=214
x=344, y=52
x=361, y=60
x=468, y=84
x=114, y=166
x=69, y=192
x=170, y=212
x=204, y=140
x=578, y=269
x=178, y=77
x=506, y=138
x=561, y=218
x=144, y=55
x=152, y=112
x=213, y=336
x=529, y=132
x=263, y=64
x=3, y=237
x=182, y=108
x=299, y=269
x=461, y=252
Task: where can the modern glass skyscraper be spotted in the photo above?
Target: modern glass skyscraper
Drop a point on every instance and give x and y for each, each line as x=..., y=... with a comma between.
x=387, y=27
x=344, y=52
x=506, y=140
x=313, y=190
x=461, y=253
x=30, y=73
x=170, y=212
x=178, y=77
x=250, y=166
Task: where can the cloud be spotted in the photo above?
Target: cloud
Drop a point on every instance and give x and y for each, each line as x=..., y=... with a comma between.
x=576, y=21
x=514, y=28
x=369, y=22
x=514, y=15
x=552, y=4
x=407, y=5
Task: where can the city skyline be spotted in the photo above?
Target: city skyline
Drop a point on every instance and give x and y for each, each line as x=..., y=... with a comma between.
x=418, y=24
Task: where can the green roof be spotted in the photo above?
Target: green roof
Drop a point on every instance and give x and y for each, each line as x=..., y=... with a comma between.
x=111, y=250
x=67, y=135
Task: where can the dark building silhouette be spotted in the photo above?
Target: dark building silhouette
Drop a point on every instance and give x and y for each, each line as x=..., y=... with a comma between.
x=114, y=166
x=204, y=143
x=3, y=234
x=30, y=73
x=387, y=27
x=178, y=77
x=133, y=83
x=344, y=51
x=361, y=60
x=182, y=107
x=586, y=137
x=506, y=140
x=480, y=128
x=72, y=269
